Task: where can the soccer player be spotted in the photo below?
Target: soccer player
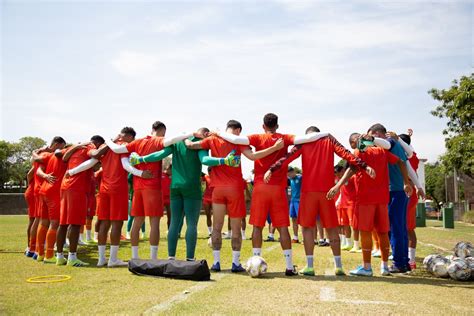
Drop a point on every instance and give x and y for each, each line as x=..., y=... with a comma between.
x=130, y=217
x=207, y=199
x=318, y=166
x=185, y=193
x=50, y=196
x=397, y=203
x=147, y=197
x=295, y=184
x=270, y=199
x=74, y=202
x=165, y=186
x=113, y=195
x=228, y=194
x=372, y=200
x=345, y=209
x=30, y=201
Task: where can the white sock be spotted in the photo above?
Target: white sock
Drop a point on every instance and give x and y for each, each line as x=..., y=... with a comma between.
x=72, y=256
x=80, y=237
x=88, y=235
x=287, y=253
x=309, y=261
x=236, y=257
x=384, y=264
x=356, y=244
x=153, y=252
x=412, y=254
x=59, y=255
x=270, y=235
x=348, y=242
x=217, y=256
x=338, y=261
x=315, y=241
x=343, y=240
x=257, y=251
x=101, y=252
x=243, y=233
x=135, y=252
x=295, y=237
x=209, y=229
x=113, y=253
x=96, y=235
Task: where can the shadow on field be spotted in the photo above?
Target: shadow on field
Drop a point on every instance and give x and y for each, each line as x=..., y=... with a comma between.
x=395, y=279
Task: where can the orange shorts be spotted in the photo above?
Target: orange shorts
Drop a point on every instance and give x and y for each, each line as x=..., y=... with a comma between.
x=31, y=202
x=113, y=207
x=41, y=210
x=345, y=215
x=147, y=202
x=73, y=208
x=233, y=198
x=53, y=206
x=313, y=204
x=269, y=200
x=91, y=205
x=411, y=212
x=166, y=200
x=372, y=217
x=207, y=200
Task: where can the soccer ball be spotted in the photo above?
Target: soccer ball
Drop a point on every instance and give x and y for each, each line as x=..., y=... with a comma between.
x=463, y=249
x=459, y=270
x=256, y=266
x=450, y=258
x=429, y=261
x=440, y=269
x=470, y=263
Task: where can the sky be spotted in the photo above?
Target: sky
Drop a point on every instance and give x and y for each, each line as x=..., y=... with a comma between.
x=79, y=68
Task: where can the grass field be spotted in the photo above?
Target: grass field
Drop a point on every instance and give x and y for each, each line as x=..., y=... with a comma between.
x=116, y=291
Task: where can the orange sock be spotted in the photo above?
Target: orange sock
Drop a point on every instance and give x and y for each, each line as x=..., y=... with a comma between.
x=89, y=223
x=366, y=241
x=40, y=239
x=32, y=243
x=384, y=245
x=50, y=241
x=375, y=238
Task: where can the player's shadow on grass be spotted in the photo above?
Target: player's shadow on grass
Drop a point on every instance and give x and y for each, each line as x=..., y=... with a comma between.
x=395, y=279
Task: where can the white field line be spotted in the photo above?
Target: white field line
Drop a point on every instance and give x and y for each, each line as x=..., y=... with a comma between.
x=434, y=246
x=178, y=298
x=328, y=294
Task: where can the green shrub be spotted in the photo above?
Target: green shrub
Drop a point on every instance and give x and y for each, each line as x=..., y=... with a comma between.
x=468, y=217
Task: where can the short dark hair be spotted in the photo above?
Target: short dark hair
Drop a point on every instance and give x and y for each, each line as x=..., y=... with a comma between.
x=58, y=140
x=353, y=135
x=270, y=120
x=98, y=139
x=406, y=138
x=378, y=128
x=291, y=169
x=234, y=124
x=339, y=167
x=204, y=130
x=312, y=129
x=129, y=131
x=158, y=125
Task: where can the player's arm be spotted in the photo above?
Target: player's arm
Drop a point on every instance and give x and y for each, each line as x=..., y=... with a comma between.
x=98, y=153
x=345, y=154
x=407, y=148
x=230, y=160
x=234, y=139
x=86, y=165
x=30, y=175
x=382, y=143
x=116, y=148
x=308, y=138
x=264, y=152
x=36, y=155
x=168, y=141
x=193, y=145
x=139, y=173
x=406, y=181
x=47, y=176
x=135, y=159
x=294, y=153
x=415, y=180
x=335, y=189
x=72, y=150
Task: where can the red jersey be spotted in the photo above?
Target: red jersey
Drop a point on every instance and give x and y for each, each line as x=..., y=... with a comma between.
x=374, y=191
x=79, y=182
x=38, y=181
x=209, y=188
x=263, y=141
x=143, y=147
x=348, y=191
x=414, y=162
x=165, y=184
x=113, y=176
x=223, y=176
x=57, y=167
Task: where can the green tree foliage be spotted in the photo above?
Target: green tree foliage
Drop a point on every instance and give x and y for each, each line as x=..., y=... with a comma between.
x=457, y=106
x=434, y=182
x=5, y=166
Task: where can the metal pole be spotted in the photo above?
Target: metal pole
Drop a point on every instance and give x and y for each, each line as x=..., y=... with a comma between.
x=455, y=180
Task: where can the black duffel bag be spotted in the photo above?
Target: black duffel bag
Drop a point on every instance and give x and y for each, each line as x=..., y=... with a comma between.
x=176, y=269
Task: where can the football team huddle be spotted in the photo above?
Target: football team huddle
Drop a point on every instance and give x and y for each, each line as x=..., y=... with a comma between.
x=375, y=192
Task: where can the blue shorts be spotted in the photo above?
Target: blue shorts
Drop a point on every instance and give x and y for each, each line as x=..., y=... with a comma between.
x=294, y=206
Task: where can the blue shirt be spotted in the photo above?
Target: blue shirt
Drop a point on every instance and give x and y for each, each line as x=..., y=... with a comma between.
x=395, y=174
x=295, y=185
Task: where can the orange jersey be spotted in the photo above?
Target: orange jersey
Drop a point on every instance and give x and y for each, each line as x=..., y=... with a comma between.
x=113, y=176
x=165, y=184
x=263, y=141
x=57, y=167
x=143, y=147
x=39, y=180
x=348, y=191
x=374, y=191
x=79, y=182
x=209, y=189
x=223, y=176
